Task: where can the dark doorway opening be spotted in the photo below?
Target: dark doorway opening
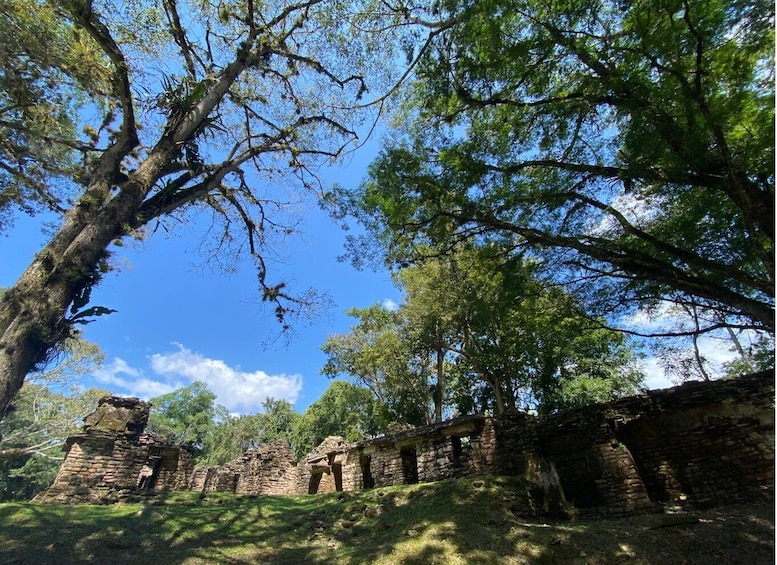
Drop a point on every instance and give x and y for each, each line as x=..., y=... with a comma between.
x=367, y=479
x=409, y=465
x=337, y=472
x=315, y=480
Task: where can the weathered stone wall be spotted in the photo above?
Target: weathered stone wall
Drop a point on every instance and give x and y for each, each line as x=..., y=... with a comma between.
x=705, y=443
x=322, y=471
x=702, y=442
x=270, y=468
x=111, y=459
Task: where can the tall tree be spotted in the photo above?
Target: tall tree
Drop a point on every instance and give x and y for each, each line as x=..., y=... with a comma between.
x=186, y=416
x=345, y=410
x=629, y=145
x=171, y=107
x=533, y=345
x=378, y=356
x=429, y=324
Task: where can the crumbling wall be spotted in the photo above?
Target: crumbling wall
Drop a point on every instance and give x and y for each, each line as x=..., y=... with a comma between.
x=112, y=459
x=322, y=471
x=270, y=469
x=705, y=443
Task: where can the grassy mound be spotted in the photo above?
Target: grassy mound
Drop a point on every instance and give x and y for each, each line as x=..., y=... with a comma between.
x=461, y=521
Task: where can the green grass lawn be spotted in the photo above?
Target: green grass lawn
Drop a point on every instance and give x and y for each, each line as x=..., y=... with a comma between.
x=466, y=521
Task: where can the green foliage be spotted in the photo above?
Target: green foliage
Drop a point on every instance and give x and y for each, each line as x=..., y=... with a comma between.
x=629, y=147
x=47, y=409
x=22, y=477
x=532, y=344
x=758, y=357
x=343, y=410
x=482, y=331
x=232, y=436
x=47, y=65
x=378, y=356
x=186, y=416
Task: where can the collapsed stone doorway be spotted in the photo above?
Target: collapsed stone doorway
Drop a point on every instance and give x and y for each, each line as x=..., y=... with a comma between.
x=149, y=473
x=327, y=479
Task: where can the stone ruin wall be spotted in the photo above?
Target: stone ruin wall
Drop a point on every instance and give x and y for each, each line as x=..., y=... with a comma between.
x=270, y=468
x=704, y=443
x=112, y=459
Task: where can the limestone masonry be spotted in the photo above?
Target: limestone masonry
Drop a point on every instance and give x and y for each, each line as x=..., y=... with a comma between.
x=703, y=443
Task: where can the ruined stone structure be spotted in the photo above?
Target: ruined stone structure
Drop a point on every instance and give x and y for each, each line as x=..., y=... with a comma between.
x=704, y=443
x=113, y=459
x=270, y=468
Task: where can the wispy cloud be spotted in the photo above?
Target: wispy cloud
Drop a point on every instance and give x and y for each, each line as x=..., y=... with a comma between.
x=390, y=305
x=239, y=391
x=120, y=378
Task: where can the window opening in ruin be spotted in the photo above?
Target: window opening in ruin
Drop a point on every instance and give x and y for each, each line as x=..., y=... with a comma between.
x=149, y=473
x=367, y=479
x=409, y=465
x=315, y=480
x=461, y=448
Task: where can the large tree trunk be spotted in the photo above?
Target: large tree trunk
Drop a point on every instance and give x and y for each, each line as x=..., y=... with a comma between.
x=34, y=312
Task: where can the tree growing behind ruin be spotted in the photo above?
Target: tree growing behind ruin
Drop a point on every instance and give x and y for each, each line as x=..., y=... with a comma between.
x=378, y=354
x=231, y=436
x=628, y=147
x=345, y=410
x=125, y=119
x=479, y=331
x=186, y=416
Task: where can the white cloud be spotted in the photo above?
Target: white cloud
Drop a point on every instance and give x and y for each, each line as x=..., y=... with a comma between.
x=239, y=391
x=235, y=389
x=134, y=383
x=655, y=376
x=390, y=305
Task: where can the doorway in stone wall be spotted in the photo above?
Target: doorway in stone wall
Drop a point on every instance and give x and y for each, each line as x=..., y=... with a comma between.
x=315, y=480
x=409, y=465
x=368, y=481
x=337, y=473
x=149, y=473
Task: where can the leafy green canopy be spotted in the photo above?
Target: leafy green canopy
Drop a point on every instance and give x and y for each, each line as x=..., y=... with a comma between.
x=479, y=329
x=629, y=146
x=345, y=410
x=186, y=416
x=378, y=354
x=49, y=71
x=232, y=436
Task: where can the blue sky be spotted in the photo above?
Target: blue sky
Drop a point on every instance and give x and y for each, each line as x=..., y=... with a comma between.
x=178, y=321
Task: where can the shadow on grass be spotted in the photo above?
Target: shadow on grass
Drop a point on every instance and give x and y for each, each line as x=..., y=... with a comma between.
x=471, y=521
